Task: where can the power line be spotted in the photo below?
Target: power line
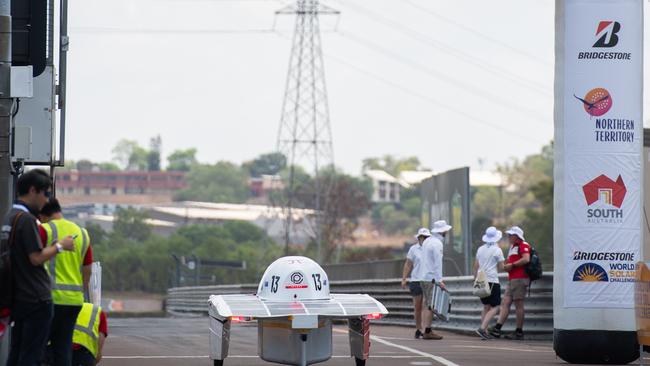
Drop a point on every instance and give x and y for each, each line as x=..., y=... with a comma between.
x=419, y=95
x=443, y=76
x=117, y=30
x=460, y=54
x=476, y=33
x=429, y=99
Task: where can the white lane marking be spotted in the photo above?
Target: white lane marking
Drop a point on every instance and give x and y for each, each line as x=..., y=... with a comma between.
x=236, y=356
x=423, y=363
x=438, y=359
x=508, y=349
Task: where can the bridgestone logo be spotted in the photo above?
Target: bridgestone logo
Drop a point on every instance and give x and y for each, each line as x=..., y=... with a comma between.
x=603, y=256
x=604, y=56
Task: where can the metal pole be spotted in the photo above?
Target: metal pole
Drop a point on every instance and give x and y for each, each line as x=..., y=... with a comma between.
x=63, y=75
x=6, y=107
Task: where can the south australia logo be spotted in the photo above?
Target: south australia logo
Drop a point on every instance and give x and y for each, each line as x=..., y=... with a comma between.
x=596, y=102
x=605, y=197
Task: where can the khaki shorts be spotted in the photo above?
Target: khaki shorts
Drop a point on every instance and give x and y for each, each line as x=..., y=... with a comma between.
x=427, y=292
x=517, y=288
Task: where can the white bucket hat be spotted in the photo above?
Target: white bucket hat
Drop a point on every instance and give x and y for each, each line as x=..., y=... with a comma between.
x=423, y=232
x=516, y=230
x=440, y=226
x=492, y=235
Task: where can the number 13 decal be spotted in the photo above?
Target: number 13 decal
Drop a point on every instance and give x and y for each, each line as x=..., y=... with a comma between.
x=317, y=284
x=274, y=283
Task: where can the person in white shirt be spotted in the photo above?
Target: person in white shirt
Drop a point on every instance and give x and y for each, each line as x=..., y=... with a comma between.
x=413, y=266
x=489, y=259
x=432, y=269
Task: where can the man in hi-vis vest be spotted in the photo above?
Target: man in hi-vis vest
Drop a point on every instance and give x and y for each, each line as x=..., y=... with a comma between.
x=70, y=274
x=89, y=335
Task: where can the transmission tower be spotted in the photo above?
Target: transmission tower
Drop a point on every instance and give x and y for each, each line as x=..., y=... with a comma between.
x=305, y=135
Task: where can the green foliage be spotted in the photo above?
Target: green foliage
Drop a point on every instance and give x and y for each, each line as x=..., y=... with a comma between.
x=182, y=160
x=132, y=265
x=131, y=156
x=130, y=224
x=391, y=164
x=153, y=155
x=266, y=164
x=539, y=222
x=221, y=182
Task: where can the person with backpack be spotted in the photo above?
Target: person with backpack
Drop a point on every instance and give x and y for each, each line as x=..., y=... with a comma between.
x=489, y=260
x=28, y=292
x=518, y=282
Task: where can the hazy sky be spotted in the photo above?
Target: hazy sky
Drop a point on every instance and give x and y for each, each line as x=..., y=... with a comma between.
x=447, y=81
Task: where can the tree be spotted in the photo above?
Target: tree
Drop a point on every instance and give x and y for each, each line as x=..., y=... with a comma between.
x=85, y=165
x=153, y=155
x=108, y=167
x=266, y=164
x=222, y=182
x=182, y=160
x=391, y=164
x=130, y=223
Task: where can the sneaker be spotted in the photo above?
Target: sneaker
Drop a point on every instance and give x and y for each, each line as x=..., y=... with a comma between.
x=494, y=332
x=431, y=335
x=418, y=334
x=483, y=334
x=517, y=336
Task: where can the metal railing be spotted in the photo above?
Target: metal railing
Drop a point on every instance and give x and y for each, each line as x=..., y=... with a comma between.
x=465, y=312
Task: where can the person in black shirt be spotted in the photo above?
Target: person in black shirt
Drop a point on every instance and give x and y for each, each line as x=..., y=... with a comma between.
x=32, y=308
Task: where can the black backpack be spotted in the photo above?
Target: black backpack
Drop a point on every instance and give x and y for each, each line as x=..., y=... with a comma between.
x=7, y=236
x=534, y=267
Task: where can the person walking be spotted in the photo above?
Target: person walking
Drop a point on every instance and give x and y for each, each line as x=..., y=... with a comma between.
x=489, y=259
x=413, y=267
x=69, y=274
x=90, y=332
x=432, y=266
x=518, y=282
x=31, y=310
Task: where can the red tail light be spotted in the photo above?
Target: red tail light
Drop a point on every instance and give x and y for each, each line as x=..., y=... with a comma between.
x=374, y=316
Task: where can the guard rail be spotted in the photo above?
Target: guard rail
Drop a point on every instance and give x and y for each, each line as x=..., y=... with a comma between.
x=465, y=312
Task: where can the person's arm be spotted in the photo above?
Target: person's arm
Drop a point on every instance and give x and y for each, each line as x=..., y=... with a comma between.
x=500, y=265
x=408, y=266
x=37, y=258
x=525, y=258
x=476, y=267
x=102, y=339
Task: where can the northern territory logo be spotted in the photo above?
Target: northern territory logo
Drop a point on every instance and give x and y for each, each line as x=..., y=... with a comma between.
x=590, y=272
x=605, y=197
x=606, y=34
x=596, y=102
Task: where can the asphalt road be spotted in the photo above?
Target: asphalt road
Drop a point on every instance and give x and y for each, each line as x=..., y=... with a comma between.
x=184, y=341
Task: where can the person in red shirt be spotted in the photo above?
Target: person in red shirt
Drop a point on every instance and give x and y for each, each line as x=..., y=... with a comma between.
x=518, y=282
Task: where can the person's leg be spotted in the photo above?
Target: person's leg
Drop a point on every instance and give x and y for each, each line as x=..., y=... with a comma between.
x=486, y=308
x=65, y=318
x=505, y=310
x=488, y=317
x=417, y=308
x=519, y=306
x=16, y=340
x=82, y=357
x=35, y=332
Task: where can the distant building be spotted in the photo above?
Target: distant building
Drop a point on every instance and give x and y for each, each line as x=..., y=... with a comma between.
x=125, y=187
x=261, y=186
x=386, y=188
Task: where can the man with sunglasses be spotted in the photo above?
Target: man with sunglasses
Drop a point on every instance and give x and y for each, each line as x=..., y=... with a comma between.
x=31, y=309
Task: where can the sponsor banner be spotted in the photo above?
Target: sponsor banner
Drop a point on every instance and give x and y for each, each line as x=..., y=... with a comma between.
x=603, y=138
x=601, y=268
x=603, y=192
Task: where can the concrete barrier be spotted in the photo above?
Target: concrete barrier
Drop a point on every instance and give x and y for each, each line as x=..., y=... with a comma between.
x=465, y=312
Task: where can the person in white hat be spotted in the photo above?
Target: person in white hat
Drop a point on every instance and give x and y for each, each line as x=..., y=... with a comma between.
x=432, y=264
x=489, y=259
x=518, y=282
x=413, y=266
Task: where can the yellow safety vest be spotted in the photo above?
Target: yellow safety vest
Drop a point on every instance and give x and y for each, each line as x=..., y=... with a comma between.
x=65, y=268
x=86, y=331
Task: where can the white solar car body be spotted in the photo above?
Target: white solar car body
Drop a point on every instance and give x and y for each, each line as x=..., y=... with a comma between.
x=294, y=311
